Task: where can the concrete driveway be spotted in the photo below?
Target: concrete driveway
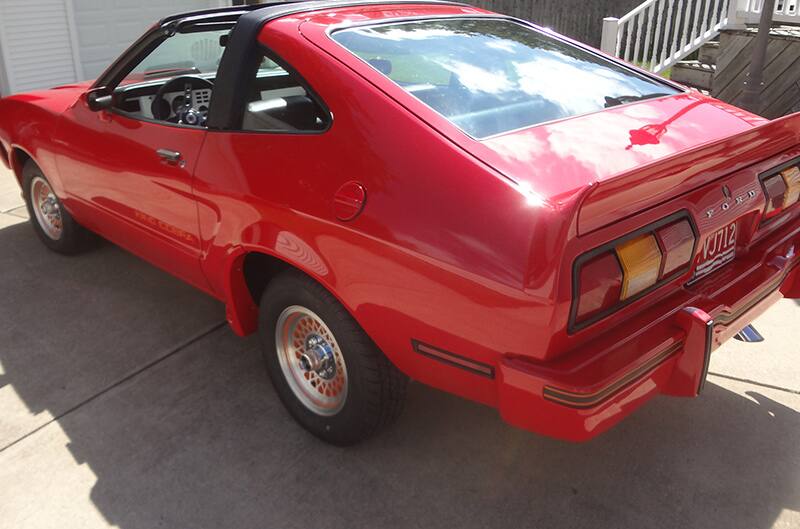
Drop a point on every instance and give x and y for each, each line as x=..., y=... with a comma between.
x=126, y=402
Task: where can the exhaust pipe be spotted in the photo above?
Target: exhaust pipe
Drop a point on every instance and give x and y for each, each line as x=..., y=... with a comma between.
x=750, y=335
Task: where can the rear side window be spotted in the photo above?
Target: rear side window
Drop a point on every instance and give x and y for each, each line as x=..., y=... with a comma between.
x=278, y=101
x=490, y=76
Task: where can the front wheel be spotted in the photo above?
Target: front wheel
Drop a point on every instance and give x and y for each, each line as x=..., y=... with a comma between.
x=52, y=223
x=328, y=373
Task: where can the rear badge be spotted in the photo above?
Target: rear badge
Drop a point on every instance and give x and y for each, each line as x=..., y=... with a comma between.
x=718, y=250
x=725, y=206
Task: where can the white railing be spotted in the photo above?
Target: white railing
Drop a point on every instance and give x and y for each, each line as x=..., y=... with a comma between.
x=659, y=33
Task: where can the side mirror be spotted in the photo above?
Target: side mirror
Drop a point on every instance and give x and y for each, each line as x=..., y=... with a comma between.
x=98, y=99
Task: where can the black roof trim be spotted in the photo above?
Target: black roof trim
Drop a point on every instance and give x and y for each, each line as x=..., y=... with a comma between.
x=280, y=3
x=216, y=11
x=240, y=60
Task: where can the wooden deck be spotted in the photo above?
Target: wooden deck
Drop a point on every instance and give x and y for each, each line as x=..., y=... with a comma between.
x=781, y=94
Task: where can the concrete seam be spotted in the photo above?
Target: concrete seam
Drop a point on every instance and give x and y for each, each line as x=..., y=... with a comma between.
x=121, y=381
x=755, y=383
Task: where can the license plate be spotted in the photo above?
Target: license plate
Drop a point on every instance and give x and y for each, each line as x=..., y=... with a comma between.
x=718, y=250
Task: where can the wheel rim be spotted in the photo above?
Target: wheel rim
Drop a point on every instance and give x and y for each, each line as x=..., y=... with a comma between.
x=46, y=208
x=311, y=360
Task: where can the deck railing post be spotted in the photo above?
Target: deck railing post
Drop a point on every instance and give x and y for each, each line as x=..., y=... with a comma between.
x=754, y=83
x=687, y=26
x=608, y=43
x=737, y=14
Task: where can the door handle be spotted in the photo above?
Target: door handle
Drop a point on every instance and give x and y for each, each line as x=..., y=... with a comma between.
x=171, y=157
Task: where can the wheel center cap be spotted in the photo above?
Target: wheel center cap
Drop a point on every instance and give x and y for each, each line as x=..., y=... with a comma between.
x=318, y=357
x=49, y=207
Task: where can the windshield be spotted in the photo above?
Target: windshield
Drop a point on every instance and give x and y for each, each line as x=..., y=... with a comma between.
x=490, y=76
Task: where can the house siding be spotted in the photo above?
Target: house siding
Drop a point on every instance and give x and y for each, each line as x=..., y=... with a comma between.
x=106, y=29
x=36, y=44
x=45, y=43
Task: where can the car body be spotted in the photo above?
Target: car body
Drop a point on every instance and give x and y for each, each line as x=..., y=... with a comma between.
x=460, y=256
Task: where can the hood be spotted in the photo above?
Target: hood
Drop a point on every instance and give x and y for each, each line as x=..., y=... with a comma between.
x=82, y=86
x=56, y=99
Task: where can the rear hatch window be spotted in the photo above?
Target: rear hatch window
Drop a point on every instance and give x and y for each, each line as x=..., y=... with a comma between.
x=489, y=76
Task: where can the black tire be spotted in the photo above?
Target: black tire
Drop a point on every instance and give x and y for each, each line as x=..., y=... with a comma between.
x=375, y=387
x=74, y=238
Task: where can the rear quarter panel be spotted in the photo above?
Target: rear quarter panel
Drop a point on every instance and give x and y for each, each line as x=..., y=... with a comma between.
x=440, y=253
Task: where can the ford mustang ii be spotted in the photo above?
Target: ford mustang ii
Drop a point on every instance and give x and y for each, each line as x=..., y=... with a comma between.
x=394, y=190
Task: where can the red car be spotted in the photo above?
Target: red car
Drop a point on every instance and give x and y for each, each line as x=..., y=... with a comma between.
x=399, y=189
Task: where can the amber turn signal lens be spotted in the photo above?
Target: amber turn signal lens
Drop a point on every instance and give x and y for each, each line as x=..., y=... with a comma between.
x=641, y=264
x=791, y=178
x=677, y=242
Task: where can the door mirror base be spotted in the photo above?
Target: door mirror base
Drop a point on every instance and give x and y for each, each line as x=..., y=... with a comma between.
x=98, y=99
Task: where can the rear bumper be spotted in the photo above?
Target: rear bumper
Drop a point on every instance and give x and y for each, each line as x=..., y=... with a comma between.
x=665, y=350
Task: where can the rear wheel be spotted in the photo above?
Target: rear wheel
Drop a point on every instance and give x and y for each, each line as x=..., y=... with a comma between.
x=51, y=222
x=327, y=372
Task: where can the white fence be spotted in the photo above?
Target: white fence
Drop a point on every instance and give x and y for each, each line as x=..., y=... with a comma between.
x=659, y=33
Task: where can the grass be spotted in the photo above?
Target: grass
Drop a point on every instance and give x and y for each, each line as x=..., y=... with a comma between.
x=666, y=74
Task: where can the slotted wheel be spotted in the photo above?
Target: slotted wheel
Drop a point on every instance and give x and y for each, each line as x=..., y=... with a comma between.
x=46, y=208
x=311, y=360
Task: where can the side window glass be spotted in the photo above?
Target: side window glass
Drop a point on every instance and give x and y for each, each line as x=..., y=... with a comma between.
x=278, y=101
x=182, y=54
x=175, y=81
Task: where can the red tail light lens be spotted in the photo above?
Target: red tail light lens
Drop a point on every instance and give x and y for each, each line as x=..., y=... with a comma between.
x=610, y=277
x=775, y=189
x=677, y=244
x=600, y=280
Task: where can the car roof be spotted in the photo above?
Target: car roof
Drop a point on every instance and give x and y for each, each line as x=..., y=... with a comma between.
x=240, y=49
x=271, y=10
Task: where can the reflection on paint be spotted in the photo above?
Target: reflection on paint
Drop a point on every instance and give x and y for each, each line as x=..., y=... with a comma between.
x=295, y=250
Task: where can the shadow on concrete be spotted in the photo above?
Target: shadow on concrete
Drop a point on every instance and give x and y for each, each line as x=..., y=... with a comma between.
x=200, y=440
x=72, y=326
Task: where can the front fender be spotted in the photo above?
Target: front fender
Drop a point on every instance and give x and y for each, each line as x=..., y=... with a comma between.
x=29, y=129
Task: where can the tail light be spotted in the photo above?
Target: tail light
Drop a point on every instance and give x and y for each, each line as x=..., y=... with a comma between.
x=641, y=263
x=612, y=276
x=792, y=178
x=600, y=280
x=677, y=243
x=782, y=190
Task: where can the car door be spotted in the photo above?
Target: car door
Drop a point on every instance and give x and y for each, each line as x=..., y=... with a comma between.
x=138, y=198
x=127, y=169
